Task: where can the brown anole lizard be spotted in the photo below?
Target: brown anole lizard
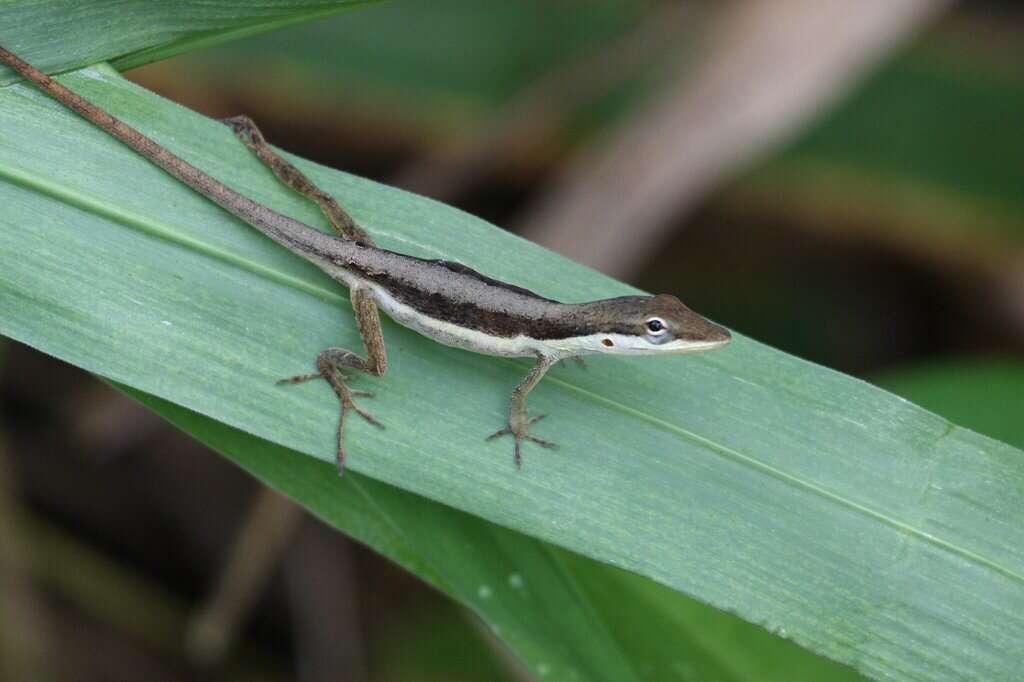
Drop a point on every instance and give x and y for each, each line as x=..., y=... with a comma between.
x=445, y=301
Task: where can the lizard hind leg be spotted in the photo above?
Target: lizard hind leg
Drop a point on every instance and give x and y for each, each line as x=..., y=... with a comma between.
x=330, y=362
x=340, y=220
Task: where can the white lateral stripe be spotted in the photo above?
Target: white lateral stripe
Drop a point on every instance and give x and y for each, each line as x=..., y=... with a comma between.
x=452, y=334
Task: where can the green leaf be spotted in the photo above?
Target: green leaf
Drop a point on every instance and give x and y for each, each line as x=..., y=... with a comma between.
x=60, y=36
x=405, y=62
x=815, y=505
x=565, y=615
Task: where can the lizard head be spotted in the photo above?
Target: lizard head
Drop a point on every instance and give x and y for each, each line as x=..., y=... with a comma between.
x=668, y=326
x=648, y=325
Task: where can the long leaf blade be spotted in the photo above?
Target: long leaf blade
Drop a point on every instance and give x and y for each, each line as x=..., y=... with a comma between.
x=566, y=616
x=815, y=505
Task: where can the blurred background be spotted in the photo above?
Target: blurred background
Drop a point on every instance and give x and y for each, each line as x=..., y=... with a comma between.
x=841, y=180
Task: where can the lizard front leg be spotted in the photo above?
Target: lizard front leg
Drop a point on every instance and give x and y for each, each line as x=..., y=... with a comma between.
x=331, y=361
x=518, y=419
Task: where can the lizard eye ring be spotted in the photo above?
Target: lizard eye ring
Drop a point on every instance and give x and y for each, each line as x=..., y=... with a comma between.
x=657, y=326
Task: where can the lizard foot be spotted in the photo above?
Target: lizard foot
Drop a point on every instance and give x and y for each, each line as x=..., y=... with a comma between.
x=330, y=371
x=520, y=430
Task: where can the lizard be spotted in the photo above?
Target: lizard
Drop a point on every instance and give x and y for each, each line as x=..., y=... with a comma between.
x=444, y=300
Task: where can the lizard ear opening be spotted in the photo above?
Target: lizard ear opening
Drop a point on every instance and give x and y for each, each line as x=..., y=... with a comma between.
x=607, y=343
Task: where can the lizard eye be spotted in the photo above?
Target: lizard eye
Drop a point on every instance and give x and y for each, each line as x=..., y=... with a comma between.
x=656, y=326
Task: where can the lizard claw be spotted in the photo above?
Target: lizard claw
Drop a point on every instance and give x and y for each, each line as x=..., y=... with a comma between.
x=351, y=405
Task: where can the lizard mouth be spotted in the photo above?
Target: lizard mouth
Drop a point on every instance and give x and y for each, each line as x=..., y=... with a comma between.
x=680, y=347
x=714, y=336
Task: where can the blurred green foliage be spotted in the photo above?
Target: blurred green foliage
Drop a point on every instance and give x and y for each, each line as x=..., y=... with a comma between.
x=432, y=67
x=984, y=394
x=940, y=116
